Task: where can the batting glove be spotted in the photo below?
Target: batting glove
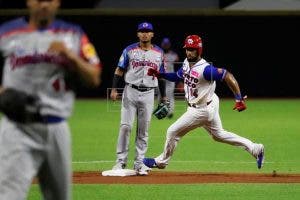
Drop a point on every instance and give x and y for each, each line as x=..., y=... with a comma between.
x=240, y=104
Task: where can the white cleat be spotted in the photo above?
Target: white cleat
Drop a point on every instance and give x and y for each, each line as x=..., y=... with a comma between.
x=119, y=166
x=142, y=170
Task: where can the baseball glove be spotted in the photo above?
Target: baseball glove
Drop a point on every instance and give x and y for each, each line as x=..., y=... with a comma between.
x=19, y=106
x=162, y=109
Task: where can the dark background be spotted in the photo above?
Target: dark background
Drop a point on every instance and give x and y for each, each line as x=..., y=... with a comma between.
x=260, y=50
x=96, y=3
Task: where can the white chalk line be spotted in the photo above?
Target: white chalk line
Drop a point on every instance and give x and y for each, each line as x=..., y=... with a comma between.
x=178, y=161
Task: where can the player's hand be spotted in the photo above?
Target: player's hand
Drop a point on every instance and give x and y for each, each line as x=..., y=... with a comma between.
x=58, y=47
x=114, y=94
x=153, y=72
x=240, y=104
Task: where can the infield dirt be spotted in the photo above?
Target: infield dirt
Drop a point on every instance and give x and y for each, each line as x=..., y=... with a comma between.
x=185, y=178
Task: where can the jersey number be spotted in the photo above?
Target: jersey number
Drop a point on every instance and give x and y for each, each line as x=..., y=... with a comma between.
x=59, y=85
x=194, y=92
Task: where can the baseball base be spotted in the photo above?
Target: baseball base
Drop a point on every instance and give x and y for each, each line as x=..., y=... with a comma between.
x=119, y=172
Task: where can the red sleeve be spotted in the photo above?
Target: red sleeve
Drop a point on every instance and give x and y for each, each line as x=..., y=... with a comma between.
x=88, y=51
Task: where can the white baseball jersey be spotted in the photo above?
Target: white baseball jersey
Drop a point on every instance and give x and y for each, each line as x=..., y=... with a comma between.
x=137, y=61
x=30, y=68
x=197, y=89
x=203, y=111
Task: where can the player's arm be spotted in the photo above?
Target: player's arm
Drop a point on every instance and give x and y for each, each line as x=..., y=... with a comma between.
x=212, y=73
x=162, y=84
x=119, y=72
x=172, y=76
x=87, y=65
x=232, y=83
x=162, y=89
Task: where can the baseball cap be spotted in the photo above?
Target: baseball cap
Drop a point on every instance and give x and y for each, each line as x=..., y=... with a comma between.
x=145, y=26
x=165, y=41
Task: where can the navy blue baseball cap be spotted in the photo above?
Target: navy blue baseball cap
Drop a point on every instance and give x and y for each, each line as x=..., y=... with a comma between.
x=145, y=26
x=165, y=41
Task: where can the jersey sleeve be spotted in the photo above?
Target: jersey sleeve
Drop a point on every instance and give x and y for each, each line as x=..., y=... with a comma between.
x=173, y=76
x=180, y=73
x=88, y=51
x=212, y=73
x=124, y=60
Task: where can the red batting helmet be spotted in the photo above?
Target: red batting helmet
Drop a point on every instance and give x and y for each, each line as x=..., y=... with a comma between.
x=194, y=42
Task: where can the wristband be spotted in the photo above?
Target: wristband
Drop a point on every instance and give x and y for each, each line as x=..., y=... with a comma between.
x=116, y=80
x=238, y=97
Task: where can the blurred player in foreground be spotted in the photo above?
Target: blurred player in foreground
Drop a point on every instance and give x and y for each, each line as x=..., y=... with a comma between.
x=203, y=104
x=36, y=99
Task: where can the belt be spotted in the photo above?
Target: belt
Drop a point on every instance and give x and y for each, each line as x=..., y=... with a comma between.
x=48, y=119
x=198, y=105
x=140, y=88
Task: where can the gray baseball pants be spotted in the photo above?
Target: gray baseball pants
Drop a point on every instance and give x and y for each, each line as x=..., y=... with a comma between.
x=134, y=104
x=34, y=149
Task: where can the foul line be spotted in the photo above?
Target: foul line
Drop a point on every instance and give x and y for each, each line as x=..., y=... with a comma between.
x=175, y=161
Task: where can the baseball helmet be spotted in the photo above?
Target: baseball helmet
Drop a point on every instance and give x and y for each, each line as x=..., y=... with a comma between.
x=193, y=42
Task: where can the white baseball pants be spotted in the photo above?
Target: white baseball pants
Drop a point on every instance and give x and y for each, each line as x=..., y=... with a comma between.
x=206, y=116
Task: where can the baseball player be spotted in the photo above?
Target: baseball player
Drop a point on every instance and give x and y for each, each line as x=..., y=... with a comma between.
x=138, y=95
x=203, y=104
x=170, y=58
x=35, y=97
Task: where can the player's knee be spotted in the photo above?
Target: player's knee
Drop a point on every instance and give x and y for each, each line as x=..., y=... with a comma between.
x=125, y=128
x=216, y=137
x=172, y=135
x=171, y=132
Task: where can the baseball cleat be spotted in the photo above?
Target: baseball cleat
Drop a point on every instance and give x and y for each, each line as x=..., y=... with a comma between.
x=119, y=166
x=260, y=157
x=142, y=170
x=150, y=162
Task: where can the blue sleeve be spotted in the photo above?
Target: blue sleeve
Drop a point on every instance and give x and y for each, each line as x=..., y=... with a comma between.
x=212, y=73
x=174, y=77
x=180, y=73
x=123, y=61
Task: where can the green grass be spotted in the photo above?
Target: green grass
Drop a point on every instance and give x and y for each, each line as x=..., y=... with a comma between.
x=183, y=192
x=95, y=126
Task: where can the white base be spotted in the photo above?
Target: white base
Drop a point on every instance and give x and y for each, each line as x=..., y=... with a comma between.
x=119, y=172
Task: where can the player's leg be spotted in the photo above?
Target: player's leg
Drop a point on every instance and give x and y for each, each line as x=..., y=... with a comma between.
x=214, y=127
x=170, y=86
x=144, y=113
x=128, y=113
x=20, y=158
x=190, y=120
x=55, y=172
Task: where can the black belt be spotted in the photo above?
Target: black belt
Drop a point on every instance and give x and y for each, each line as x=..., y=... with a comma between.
x=140, y=88
x=195, y=105
x=50, y=119
x=46, y=119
